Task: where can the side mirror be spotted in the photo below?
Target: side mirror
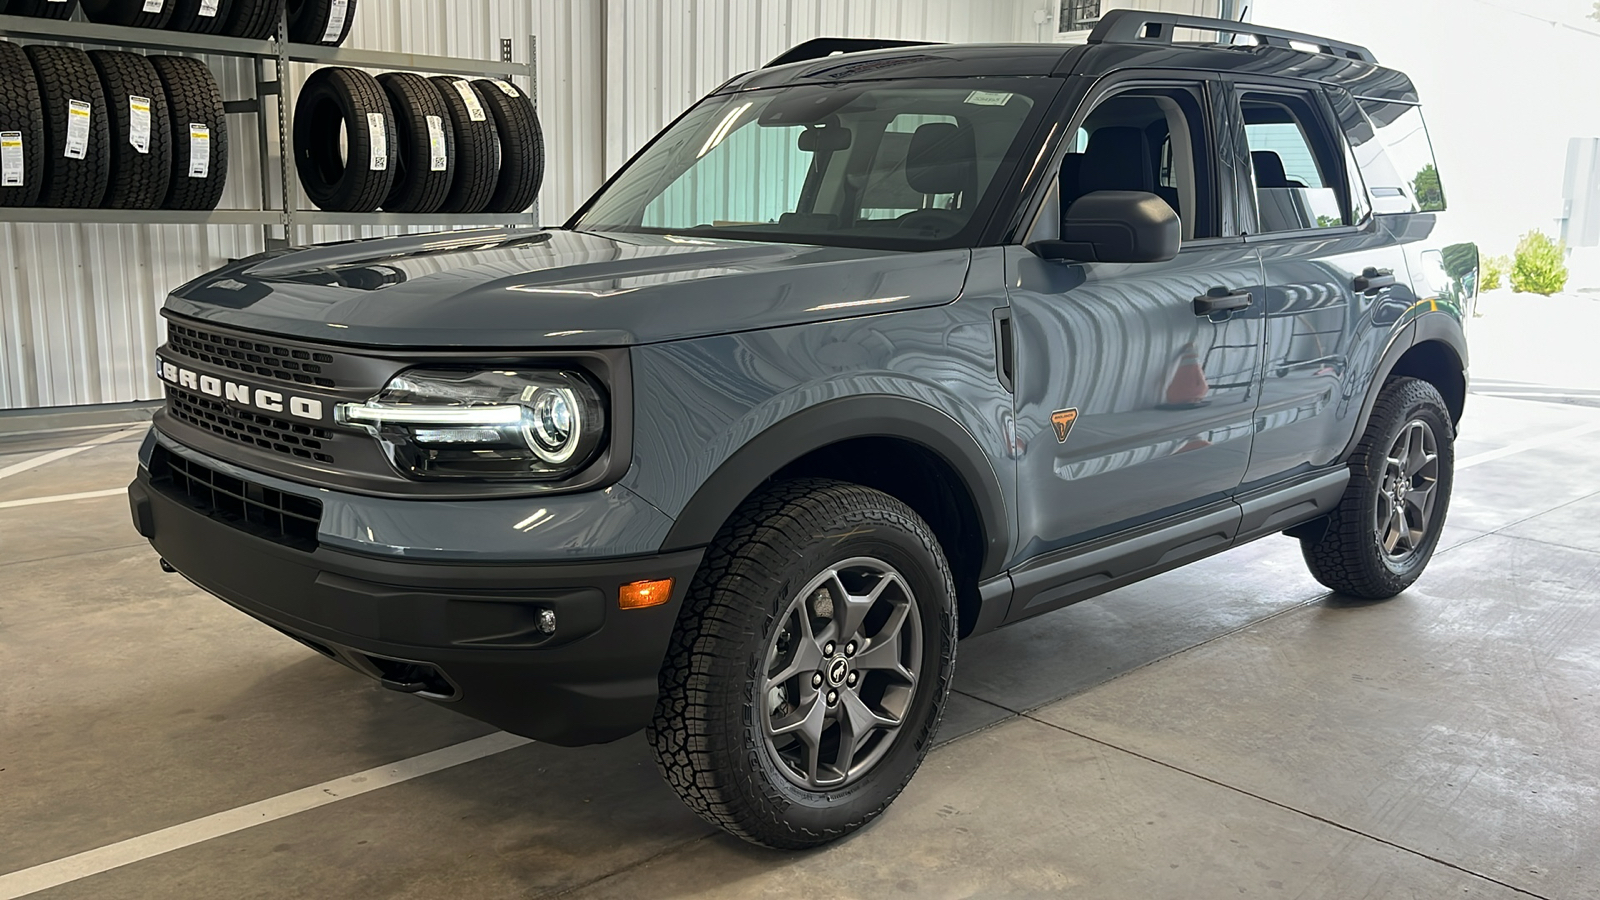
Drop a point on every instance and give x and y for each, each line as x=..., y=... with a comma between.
x=1115, y=226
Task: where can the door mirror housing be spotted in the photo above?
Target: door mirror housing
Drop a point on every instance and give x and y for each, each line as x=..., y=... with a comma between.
x=1115, y=227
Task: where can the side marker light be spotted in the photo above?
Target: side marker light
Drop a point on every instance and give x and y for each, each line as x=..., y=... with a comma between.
x=643, y=594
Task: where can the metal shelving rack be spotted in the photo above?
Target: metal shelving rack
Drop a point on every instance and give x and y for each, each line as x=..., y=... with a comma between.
x=278, y=55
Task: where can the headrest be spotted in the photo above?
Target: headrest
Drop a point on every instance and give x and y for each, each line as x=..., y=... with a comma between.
x=1269, y=169
x=1117, y=159
x=943, y=159
x=1071, y=165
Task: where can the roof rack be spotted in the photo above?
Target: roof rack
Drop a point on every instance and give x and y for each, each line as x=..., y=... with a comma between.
x=1136, y=26
x=818, y=48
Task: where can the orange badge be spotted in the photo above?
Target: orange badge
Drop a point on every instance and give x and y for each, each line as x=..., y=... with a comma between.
x=1063, y=419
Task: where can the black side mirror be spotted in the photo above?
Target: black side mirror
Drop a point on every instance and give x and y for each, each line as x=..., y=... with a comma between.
x=1115, y=226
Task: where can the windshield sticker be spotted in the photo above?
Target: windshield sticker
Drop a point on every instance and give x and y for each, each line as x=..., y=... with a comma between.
x=989, y=98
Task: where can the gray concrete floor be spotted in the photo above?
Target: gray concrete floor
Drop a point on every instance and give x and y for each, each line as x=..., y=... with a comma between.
x=1225, y=729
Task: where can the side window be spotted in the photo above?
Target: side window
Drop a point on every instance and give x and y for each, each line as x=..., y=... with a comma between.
x=1152, y=140
x=1299, y=182
x=1399, y=165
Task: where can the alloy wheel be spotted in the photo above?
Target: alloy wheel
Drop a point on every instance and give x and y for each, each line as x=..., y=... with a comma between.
x=1407, y=491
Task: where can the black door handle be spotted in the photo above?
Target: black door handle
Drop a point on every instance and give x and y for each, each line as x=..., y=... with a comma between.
x=1221, y=299
x=1371, y=279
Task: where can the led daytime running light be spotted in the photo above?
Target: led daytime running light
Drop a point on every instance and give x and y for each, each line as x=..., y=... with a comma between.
x=383, y=413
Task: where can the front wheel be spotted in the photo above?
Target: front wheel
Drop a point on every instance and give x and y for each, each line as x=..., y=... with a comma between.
x=809, y=666
x=1382, y=534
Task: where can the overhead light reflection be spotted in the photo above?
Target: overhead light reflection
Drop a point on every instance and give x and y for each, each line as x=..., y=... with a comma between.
x=722, y=129
x=534, y=521
x=847, y=304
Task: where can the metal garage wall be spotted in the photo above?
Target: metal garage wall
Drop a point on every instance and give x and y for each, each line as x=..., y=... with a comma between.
x=78, y=303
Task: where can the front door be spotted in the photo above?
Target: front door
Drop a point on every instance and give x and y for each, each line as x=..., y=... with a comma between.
x=1131, y=403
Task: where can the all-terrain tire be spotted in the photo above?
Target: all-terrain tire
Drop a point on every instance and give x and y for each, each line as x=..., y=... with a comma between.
x=194, y=98
x=311, y=20
x=710, y=741
x=521, y=145
x=419, y=114
x=1346, y=553
x=349, y=100
x=139, y=180
x=39, y=9
x=65, y=75
x=477, y=146
x=22, y=113
x=254, y=19
x=186, y=16
x=127, y=12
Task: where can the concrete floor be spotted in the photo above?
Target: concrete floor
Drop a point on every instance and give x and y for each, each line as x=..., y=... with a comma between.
x=1225, y=729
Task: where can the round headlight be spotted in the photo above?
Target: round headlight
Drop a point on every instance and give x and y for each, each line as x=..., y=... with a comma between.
x=555, y=424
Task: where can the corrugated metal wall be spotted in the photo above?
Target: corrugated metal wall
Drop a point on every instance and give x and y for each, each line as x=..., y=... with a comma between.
x=78, y=303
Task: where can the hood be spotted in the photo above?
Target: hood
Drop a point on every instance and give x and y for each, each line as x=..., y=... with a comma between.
x=522, y=288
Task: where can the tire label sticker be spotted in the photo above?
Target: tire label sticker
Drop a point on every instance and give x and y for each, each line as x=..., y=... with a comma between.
x=470, y=98
x=378, y=131
x=208, y=8
x=78, y=114
x=11, y=168
x=336, y=17
x=199, y=150
x=436, y=145
x=154, y=6
x=139, y=123
x=506, y=87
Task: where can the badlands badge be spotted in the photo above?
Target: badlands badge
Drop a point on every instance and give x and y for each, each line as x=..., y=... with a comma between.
x=1062, y=419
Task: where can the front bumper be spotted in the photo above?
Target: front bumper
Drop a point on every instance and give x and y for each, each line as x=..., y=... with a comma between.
x=464, y=636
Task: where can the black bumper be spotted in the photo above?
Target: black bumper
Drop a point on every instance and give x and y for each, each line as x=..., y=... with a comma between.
x=464, y=636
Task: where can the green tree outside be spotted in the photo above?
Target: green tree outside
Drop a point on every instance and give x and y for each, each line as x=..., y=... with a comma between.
x=1428, y=189
x=1494, y=273
x=1540, y=266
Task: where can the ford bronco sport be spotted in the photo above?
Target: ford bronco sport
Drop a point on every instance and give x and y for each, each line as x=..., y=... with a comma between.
x=878, y=347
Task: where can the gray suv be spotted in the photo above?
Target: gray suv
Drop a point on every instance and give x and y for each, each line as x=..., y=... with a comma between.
x=879, y=347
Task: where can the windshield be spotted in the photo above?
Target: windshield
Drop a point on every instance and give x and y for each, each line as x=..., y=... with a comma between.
x=892, y=165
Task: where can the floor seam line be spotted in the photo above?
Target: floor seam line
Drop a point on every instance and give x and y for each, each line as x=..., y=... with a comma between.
x=630, y=866
x=1544, y=543
x=24, y=562
x=1286, y=807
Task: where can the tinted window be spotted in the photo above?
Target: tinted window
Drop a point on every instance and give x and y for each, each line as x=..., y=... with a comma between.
x=1151, y=140
x=1299, y=182
x=1398, y=166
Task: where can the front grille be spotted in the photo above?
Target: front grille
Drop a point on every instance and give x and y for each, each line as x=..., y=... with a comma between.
x=252, y=357
x=248, y=427
x=262, y=511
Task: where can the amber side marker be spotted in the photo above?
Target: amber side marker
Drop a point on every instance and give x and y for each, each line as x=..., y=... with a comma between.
x=642, y=594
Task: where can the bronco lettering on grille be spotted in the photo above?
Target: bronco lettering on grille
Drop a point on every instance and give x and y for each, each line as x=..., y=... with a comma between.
x=242, y=394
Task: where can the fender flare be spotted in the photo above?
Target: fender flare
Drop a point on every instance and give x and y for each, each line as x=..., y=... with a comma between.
x=1435, y=328
x=831, y=422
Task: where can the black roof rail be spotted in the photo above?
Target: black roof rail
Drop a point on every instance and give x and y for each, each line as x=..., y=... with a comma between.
x=1136, y=26
x=817, y=48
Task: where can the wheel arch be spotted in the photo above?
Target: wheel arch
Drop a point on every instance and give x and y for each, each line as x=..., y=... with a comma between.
x=1433, y=348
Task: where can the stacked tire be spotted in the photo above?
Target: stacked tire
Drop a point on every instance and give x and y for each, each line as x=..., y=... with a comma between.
x=405, y=143
x=310, y=21
x=109, y=129
x=40, y=9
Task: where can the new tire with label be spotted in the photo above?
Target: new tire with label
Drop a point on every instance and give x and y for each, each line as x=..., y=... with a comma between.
x=199, y=16
x=199, y=133
x=22, y=141
x=521, y=145
x=77, y=138
x=337, y=102
x=39, y=9
x=141, y=132
x=424, y=157
x=321, y=21
x=254, y=19
x=477, y=144
x=137, y=13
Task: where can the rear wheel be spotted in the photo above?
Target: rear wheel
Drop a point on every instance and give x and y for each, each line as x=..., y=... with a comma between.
x=810, y=665
x=1381, y=536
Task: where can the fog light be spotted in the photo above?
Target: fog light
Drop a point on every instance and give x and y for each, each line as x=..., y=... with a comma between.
x=547, y=621
x=642, y=594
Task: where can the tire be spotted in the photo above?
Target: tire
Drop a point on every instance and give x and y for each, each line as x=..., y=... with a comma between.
x=39, y=9
x=521, y=146
x=417, y=187
x=22, y=113
x=65, y=75
x=127, y=12
x=254, y=19
x=193, y=98
x=711, y=730
x=138, y=180
x=477, y=145
x=335, y=100
x=186, y=16
x=1353, y=555
x=309, y=21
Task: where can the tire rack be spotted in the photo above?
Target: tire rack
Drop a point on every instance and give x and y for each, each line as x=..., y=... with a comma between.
x=287, y=216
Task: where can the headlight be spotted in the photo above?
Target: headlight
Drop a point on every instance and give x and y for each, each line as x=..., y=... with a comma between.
x=500, y=425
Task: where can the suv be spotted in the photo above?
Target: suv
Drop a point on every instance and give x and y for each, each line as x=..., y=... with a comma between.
x=878, y=347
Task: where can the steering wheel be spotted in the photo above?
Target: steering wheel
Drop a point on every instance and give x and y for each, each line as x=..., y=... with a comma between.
x=933, y=222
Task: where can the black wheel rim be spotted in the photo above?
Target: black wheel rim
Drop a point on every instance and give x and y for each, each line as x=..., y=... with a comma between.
x=841, y=672
x=1408, y=492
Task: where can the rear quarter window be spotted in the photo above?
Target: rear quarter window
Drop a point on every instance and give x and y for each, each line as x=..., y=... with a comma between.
x=1396, y=158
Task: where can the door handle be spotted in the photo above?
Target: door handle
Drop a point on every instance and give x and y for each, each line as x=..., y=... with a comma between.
x=1221, y=299
x=1371, y=279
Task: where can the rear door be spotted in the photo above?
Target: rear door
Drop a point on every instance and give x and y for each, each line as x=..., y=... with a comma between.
x=1334, y=275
